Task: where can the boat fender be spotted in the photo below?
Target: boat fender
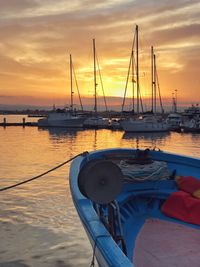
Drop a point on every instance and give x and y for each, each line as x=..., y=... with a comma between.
x=100, y=180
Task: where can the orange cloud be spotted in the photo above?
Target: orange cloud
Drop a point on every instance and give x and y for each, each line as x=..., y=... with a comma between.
x=38, y=36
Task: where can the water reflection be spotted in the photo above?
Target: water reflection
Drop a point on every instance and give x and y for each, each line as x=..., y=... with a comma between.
x=46, y=203
x=152, y=136
x=141, y=139
x=59, y=133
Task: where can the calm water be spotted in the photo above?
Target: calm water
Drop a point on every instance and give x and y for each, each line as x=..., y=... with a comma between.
x=38, y=223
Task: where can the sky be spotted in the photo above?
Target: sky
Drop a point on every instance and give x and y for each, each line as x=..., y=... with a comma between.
x=37, y=37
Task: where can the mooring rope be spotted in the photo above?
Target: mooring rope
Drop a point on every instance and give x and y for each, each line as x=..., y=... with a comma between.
x=42, y=174
x=92, y=264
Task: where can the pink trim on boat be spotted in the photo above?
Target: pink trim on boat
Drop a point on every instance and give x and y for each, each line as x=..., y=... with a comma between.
x=167, y=244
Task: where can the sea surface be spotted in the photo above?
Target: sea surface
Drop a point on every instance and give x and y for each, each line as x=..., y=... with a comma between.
x=39, y=225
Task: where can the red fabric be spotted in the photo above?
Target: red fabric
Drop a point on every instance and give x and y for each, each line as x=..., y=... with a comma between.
x=182, y=206
x=188, y=184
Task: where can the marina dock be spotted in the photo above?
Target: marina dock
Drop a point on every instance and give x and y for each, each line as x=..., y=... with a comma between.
x=23, y=123
x=7, y=124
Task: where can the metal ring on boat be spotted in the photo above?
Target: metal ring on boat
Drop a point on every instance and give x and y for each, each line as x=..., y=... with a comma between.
x=100, y=180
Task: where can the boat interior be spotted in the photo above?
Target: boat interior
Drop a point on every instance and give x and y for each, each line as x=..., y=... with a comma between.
x=154, y=221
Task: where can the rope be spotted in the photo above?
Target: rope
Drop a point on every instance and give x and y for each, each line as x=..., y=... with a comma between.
x=92, y=264
x=42, y=174
x=155, y=171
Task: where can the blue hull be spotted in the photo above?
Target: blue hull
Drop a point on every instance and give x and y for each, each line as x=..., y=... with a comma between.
x=137, y=203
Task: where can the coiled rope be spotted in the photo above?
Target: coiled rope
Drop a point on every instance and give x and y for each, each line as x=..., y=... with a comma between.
x=42, y=174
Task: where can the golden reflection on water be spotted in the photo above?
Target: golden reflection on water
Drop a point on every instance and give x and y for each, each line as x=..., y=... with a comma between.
x=42, y=213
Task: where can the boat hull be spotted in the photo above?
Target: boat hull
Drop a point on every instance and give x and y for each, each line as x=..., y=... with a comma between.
x=68, y=123
x=75, y=122
x=136, y=127
x=96, y=123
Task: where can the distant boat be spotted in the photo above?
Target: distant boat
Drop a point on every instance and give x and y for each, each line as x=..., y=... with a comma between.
x=192, y=111
x=192, y=125
x=191, y=119
x=97, y=122
x=134, y=211
x=115, y=124
x=62, y=118
x=144, y=124
x=67, y=118
x=174, y=121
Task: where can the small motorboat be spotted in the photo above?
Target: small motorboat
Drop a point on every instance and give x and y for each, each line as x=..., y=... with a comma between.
x=139, y=207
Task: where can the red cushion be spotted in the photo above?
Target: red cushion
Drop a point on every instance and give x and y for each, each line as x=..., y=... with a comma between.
x=182, y=206
x=188, y=184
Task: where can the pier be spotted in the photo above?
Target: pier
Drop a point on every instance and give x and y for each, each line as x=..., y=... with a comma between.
x=23, y=123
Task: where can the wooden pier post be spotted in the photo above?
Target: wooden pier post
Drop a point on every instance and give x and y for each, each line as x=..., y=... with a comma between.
x=23, y=122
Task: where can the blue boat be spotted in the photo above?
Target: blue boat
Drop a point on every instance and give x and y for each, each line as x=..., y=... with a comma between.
x=133, y=210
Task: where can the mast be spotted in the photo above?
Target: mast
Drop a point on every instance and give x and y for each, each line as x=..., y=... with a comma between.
x=71, y=82
x=154, y=74
x=95, y=78
x=152, y=80
x=132, y=63
x=77, y=87
x=137, y=68
x=176, y=100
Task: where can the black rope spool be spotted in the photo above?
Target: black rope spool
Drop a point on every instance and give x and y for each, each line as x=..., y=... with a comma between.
x=100, y=180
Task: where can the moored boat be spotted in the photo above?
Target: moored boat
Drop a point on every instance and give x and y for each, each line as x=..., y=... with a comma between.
x=174, y=121
x=144, y=124
x=62, y=118
x=66, y=117
x=134, y=211
x=192, y=125
x=97, y=122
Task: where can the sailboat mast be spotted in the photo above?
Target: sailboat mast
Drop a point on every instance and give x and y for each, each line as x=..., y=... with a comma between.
x=154, y=74
x=71, y=82
x=137, y=68
x=152, y=80
x=95, y=78
x=133, y=89
x=176, y=100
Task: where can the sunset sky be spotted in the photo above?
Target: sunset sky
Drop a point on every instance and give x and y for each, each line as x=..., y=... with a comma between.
x=37, y=36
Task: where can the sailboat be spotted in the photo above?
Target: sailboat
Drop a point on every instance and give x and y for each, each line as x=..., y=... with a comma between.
x=145, y=123
x=96, y=121
x=67, y=118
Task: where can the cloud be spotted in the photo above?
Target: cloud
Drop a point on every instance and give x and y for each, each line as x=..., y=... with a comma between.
x=36, y=38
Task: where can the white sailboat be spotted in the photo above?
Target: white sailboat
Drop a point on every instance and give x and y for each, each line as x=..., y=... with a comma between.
x=144, y=124
x=67, y=118
x=148, y=123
